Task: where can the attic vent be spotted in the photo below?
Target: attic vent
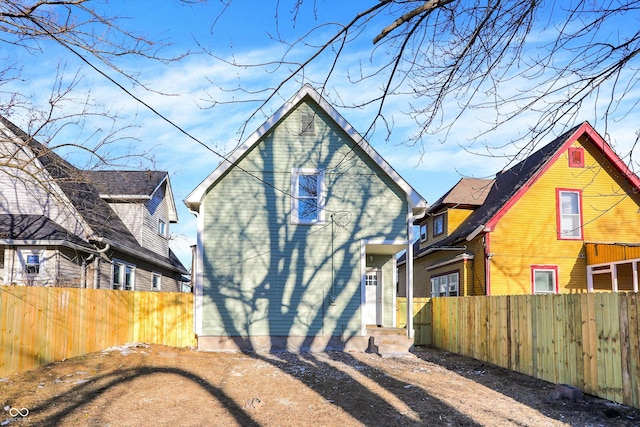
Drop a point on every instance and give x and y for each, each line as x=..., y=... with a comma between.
x=307, y=124
x=576, y=157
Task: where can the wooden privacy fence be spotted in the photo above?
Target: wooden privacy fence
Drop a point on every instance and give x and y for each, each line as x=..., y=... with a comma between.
x=422, y=321
x=590, y=341
x=40, y=325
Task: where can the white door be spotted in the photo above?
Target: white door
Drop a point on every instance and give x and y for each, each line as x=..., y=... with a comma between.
x=373, y=298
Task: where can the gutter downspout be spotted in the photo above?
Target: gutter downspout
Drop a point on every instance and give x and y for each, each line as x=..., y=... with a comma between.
x=197, y=278
x=487, y=264
x=411, y=218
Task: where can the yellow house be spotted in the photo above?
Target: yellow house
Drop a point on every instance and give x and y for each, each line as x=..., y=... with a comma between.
x=565, y=219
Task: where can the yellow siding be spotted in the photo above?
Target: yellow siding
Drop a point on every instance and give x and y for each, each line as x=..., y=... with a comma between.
x=452, y=219
x=598, y=253
x=526, y=234
x=455, y=218
x=475, y=279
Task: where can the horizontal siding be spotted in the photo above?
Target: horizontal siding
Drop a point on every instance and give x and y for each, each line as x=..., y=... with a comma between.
x=527, y=234
x=265, y=276
x=25, y=189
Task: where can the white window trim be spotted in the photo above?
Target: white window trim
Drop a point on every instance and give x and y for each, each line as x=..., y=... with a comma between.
x=423, y=236
x=295, y=200
x=159, y=276
x=122, y=266
x=162, y=227
x=551, y=268
x=28, y=264
x=576, y=233
x=447, y=284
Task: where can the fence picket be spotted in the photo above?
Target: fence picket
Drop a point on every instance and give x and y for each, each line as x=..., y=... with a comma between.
x=590, y=340
x=41, y=325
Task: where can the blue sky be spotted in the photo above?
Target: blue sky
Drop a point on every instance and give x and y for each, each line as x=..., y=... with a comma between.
x=243, y=33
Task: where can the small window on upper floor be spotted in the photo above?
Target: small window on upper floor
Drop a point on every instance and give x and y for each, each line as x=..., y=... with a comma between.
x=569, y=214
x=307, y=196
x=423, y=232
x=162, y=228
x=438, y=225
x=307, y=124
x=576, y=157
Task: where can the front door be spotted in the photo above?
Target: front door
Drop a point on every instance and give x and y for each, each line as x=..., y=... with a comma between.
x=373, y=298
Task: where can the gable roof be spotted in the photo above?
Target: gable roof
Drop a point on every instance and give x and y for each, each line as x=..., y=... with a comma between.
x=511, y=184
x=33, y=228
x=468, y=192
x=102, y=221
x=127, y=184
x=194, y=199
x=124, y=185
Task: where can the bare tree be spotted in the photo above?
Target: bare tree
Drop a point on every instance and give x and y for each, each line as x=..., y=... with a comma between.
x=79, y=32
x=506, y=58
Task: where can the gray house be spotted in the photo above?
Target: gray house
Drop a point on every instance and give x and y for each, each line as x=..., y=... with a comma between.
x=62, y=226
x=298, y=231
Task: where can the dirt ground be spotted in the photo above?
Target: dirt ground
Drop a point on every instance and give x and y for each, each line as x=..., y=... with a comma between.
x=137, y=385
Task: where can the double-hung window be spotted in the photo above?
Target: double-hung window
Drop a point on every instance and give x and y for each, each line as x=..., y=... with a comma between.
x=569, y=213
x=32, y=267
x=162, y=228
x=124, y=276
x=544, y=279
x=423, y=232
x=156, y=281
x=438, y=225
x=307, y=196
x=446, y=285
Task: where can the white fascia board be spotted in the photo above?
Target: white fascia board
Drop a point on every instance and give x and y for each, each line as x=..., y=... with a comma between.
x=194, y=199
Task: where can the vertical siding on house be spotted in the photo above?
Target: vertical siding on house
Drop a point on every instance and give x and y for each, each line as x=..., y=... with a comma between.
x=527, y=234
x=266, y=276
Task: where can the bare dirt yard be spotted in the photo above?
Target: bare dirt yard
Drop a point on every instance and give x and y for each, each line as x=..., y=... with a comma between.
x=137, y=385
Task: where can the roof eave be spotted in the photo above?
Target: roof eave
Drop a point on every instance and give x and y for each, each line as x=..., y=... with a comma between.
x=194, y=199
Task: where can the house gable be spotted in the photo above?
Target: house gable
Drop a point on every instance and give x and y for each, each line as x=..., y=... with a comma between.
x=518, y=226
x=36, y=183
x=264, y=274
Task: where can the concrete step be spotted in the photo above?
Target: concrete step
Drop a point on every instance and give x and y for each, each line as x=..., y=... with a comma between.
x=389, y=342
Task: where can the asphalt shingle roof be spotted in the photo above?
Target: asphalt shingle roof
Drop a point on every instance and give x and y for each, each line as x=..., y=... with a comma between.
x=85, y=197
x=36, y=227
x=126, y=183
x=505, y=186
